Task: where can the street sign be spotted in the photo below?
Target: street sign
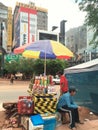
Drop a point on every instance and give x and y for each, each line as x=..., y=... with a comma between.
x=12, y=57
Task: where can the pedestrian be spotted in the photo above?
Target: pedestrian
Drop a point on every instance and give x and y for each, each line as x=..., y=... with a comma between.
x=63, y=82
x=67, y=104
x=11, y=78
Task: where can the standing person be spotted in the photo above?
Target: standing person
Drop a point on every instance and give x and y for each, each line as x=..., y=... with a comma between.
x=67, y=104
x=11, y=78
x=63, y=83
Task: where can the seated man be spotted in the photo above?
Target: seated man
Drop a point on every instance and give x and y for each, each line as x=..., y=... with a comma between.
x=66, y=104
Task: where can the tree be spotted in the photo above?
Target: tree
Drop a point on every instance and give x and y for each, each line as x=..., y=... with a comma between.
x=35, y=66
x=91, y=19
x=11, y=67
x=26, y=66
x=52, y=66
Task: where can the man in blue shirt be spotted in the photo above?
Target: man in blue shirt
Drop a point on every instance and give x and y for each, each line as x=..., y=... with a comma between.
x=67, y=104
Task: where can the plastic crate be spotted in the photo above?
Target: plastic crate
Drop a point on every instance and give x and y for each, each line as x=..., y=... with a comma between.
x=25, y=105
x=37, y=120
x=49, y=124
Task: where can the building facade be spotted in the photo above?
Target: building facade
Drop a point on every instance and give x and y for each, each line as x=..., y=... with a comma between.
x=91, y=49
x=76, y=39
x=27, y=20
x=5, y=27
x=42, y=18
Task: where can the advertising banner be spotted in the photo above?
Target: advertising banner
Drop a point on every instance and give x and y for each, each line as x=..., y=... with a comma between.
x=17, y=32
x=33, y=27
x=24, y=28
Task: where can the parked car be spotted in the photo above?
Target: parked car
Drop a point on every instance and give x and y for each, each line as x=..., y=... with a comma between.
x=56, y=80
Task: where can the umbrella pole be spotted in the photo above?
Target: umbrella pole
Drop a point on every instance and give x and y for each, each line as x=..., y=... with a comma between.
x=45, y=65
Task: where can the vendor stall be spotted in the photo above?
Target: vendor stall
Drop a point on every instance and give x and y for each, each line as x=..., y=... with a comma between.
x=40, y=102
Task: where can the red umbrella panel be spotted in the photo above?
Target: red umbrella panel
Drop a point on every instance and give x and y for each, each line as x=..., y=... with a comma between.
x=21, y=49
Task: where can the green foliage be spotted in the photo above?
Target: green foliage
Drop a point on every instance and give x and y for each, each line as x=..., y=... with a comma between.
x=23, y=65
x=91, y=7
x=53, y=66
x=39, y=66
x=30, y=66
x=26, y=66
x=11, y=67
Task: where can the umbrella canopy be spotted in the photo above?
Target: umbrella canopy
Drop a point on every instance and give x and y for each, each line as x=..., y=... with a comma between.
x=20, y=49
x=47, y=49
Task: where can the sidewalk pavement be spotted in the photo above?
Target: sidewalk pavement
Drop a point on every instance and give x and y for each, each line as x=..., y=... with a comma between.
x=88, y=125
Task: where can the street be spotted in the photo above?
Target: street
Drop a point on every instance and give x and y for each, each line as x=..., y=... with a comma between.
x=11, y=92
x=11, y=95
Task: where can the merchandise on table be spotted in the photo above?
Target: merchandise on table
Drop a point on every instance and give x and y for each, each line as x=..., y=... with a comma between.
x=40, y=84
x=51, y=89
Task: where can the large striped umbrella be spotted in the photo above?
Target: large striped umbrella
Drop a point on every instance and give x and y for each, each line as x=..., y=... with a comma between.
x=47, y=49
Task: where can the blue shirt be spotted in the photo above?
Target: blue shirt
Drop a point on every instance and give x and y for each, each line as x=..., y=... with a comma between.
x=66, y=99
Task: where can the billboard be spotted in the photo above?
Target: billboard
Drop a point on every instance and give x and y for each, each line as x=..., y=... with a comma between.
x=44, y=35
x=28, y=25
x=23, y=28
x=17, y=32
x=4, y=36
x=33, y=28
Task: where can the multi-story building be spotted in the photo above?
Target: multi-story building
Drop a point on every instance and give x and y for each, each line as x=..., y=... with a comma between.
x=92, y=49
x=42, y=18
x=76, y=39
x=27, y=19
x=5, y=27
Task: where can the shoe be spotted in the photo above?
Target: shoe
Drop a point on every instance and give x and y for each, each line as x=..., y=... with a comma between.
x=72, y=128
x=80, y=122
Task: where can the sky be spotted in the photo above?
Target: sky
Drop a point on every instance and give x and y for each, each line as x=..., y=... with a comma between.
x=58, y=10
